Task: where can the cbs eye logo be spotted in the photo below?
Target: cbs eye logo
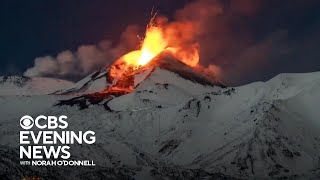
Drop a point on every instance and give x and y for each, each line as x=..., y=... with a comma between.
x=44, y=122
x=26, y=122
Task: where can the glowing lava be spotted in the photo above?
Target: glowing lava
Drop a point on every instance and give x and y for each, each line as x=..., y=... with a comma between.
x=188, y=55
x=156, y=40
x=153, y=44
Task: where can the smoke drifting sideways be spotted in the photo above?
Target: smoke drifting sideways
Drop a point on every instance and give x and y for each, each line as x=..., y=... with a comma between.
x=88, y=58
x=228, y=51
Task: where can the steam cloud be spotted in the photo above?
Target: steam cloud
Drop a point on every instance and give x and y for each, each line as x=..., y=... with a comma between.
x=87, y=58
x=227, y=49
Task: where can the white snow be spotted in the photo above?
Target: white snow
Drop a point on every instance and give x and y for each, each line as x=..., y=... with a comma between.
x=94, y=82
x=261, y=130
x=17, y=85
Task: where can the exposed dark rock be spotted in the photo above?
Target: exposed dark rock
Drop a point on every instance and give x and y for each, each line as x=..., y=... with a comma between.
x=169, y=146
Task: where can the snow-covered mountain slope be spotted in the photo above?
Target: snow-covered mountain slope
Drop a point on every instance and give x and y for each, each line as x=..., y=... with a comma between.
x=94, y=82
x=260, y=130
x=171, y=127
x=21, y=85
x=161, y=88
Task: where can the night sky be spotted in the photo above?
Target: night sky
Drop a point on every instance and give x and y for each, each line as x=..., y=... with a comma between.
x=286, y=34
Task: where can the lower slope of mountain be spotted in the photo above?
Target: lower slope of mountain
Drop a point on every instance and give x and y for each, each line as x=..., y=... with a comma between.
x=174, y=126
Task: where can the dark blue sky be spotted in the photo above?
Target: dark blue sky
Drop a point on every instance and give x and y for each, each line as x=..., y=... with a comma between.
x=31, y=29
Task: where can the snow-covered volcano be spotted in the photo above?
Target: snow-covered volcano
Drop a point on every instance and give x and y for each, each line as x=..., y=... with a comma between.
x=105, y=78
x=176, y=124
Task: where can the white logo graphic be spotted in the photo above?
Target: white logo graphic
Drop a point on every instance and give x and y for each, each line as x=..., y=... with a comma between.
x=26, y=122
x=49, y=143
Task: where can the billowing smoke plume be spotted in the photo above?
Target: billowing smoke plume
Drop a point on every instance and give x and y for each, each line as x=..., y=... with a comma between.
x=87, y=58
x=220, y=30
x=216, y=29
x=223, y=37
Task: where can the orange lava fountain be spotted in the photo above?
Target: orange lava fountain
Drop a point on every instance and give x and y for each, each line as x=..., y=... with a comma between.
x=154, y=42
